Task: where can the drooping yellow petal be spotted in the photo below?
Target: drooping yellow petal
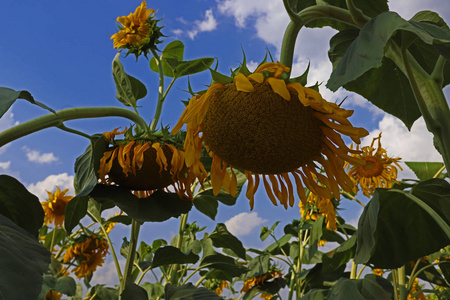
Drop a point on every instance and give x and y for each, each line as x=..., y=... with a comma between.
x=161, y=159
x=279, y=87
x=258, y=77
x=300, y=91
x=269, y=191
x=242, y=83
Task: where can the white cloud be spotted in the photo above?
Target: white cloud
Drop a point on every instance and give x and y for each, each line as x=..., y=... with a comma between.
x=63, y=181
x=244, y=223
x=7, y=121
x=209, y=23
x=5, y=165
x=36, y=156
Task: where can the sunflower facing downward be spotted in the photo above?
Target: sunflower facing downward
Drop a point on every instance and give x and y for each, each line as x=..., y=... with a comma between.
x=379, y=171
x=273, y=129
x=55, y=207
x=145, y=165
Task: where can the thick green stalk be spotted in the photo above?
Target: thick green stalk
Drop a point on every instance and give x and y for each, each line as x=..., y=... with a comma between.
x=429, y=96
x=56, y=120
x=160, y=91
x=135, y=227
x=174, y=268
x=402, y=283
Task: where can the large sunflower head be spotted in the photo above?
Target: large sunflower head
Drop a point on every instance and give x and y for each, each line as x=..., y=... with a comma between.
x=139, y=31
x=55, y=207
x=87, y=253
x=379, y=170
x=145, y=164
x=274, y=129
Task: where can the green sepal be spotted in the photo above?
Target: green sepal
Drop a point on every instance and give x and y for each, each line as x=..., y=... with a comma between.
x=220, y=78
x=242, y=68
x=302, y=79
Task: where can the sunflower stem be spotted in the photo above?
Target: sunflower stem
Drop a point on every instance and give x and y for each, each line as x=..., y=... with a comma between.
x=56, y=120
x=135, y=227
x=174, y=268
x=402, y=282
x=357, y=15
x=160, y=91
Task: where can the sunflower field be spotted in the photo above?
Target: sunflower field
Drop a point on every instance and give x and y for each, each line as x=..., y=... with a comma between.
x=246, y=131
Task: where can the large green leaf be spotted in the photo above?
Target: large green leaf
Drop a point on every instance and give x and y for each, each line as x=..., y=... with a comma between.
x=158, y=207
x=129, y=89
x=170, y=57
x=22, y=262
x=387, y=82
x=133, y=292
x=339, y=256
x=171, y=255
x=193, y=66
x=19, y=205
x=222, y=238
x=367, y=50
x=188, y=292
x=66, y=285
x=224, y=263
x=393, y=222
x=258, y=266
x=9, y=96
x=154, y=290
x=425, y=170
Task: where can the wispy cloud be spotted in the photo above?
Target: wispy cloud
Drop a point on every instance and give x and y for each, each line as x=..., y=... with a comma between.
x=208, y=23
x=40, y=188
x=36, y=156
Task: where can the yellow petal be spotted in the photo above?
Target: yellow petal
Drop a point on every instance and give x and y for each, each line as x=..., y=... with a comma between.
x=279, y=87
x=242, y=83
x=258, y=77
x=300, y=91
x=269, y=191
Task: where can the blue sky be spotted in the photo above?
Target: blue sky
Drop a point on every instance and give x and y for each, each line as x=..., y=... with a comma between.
x=61, y=52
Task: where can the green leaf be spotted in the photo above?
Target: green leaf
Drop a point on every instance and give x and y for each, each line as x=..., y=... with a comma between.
x=387, y=82
x=154, y=290
x=170, y=57
x=339, y=256
x=158, y=207
x=20, y=206
x=430, y=17
x=224, y=263
x=393, y=223
x=193, y=66
x=258, y=266
x=171, y=255
x=222, y=238
x=76, y=209
x=316, y=234
x=189, y=292
x=424, y=170
x=279, y=243
x=133, y=292
x=126, y=220
x=316, y=278
x=22, y=262
x=104, y=293
x=129, y=89
x=367, y=50
x=9, y=96
x=66, y=285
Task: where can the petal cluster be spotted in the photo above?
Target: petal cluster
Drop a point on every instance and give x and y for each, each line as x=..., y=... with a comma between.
x=55, y=206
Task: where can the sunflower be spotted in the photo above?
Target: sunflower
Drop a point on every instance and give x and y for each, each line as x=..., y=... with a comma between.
x=379, y=171
x=88, y=252
x=222, y=285
x=145, y=165
x=53, y=295
x=55, y=206
x=274, y=131
x=138, y=31
x=260, y=281
x=317, y=206
x=378, y=272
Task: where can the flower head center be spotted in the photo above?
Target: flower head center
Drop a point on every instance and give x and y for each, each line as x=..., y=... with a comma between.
x=372, y=168
x=58, y=207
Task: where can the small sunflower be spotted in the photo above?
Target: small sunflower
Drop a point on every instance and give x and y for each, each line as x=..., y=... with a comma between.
x=378, y=272
x=53, y=295
x=138, y=31
x=379, y=171
x=55, y=206
x=145, y=165
x=317, y=206
x=88, y=252
x=274, y=130
x=222, y=285
x=260, y=281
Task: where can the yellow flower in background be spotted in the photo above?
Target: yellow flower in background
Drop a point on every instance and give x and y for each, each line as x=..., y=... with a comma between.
x=378, y=272
x=138, y=31
x=219, y=289
x=317, y=206
x=55, y=207
x=53, y=295
x=379, y=171
x=145, y=166
x=260, y=281
x=414, y=289
x=88, y=254
x=274, y=131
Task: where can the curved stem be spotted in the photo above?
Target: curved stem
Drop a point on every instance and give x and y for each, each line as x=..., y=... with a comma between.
x=160, y=90
x=438, y=71
x=56, y=120
x=357, y=15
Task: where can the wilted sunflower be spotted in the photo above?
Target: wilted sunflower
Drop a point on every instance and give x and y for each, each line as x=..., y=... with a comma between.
x=88, y=252
x=138, y=31
x=55, y=207
x=379, y=171
x=260, y=281
x=317, y=206
x=144, y=165
x=273, y=130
